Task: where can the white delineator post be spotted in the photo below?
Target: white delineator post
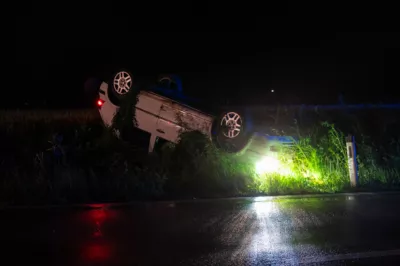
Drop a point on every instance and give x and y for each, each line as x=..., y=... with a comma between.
x=352, y=160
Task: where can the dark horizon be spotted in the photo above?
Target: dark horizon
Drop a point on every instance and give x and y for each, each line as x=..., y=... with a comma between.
x=301, y=67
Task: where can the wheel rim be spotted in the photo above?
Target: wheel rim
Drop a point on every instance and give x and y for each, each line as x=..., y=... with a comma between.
x=232, y=124
x=122, y=82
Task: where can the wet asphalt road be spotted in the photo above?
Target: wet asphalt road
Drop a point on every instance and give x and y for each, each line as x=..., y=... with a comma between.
x=331, y=230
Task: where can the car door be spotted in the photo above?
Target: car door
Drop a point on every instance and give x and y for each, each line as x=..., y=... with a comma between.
x=147, y=109
x=167, y=126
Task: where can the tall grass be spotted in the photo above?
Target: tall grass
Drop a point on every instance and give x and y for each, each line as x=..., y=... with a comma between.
x=317, y=162
x=67, y=157
x=70, y=157
x=378, y=166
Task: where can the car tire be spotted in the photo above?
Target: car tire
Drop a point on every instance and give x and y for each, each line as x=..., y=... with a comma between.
x=230, y=131
x=120, y=84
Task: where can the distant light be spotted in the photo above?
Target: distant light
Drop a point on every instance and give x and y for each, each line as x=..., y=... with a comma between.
x=100, y=102
x=272, y=90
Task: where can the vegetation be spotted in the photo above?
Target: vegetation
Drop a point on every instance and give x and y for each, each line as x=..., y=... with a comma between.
x=67, y=157
x=318, y=163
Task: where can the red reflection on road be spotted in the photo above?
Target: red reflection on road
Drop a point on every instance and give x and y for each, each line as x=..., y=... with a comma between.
x=98, y=248
x=97, y=252
x=98, y=214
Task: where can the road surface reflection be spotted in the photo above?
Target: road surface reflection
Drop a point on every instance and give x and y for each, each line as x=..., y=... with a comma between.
x=260, y=231
x=98, y=248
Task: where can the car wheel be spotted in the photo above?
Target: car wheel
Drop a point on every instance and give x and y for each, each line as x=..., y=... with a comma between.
x=121, y=83
x=230, y=132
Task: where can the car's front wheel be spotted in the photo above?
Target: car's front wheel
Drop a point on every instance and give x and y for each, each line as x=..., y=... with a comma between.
x=230, y=131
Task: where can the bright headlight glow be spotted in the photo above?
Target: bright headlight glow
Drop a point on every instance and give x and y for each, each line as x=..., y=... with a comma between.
x=268, y=165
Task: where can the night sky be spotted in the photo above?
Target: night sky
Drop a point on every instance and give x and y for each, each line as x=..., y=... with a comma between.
x=242, y=64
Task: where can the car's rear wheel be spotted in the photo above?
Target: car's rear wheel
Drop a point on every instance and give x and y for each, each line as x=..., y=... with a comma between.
x=230, y=133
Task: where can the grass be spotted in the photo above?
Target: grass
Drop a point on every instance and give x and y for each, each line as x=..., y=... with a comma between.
x=65, y=157
x=318, y=163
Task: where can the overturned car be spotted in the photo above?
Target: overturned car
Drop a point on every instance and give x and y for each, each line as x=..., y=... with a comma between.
x=162, y=113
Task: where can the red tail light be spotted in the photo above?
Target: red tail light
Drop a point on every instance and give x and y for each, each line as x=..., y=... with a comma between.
x=99, y=102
